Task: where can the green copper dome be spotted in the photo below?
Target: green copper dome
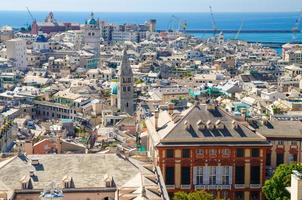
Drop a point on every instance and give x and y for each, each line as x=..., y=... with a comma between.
x=92, y=21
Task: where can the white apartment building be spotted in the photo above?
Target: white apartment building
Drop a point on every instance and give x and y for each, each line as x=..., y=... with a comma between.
x=295, y=188
x=292, y=53
x=16, y=51
x=293, y=56
x=121, y=36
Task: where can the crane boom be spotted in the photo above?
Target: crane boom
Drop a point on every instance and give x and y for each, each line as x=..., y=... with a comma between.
x=295, y=29
x=32, y=18
x=214, y=25
x=240, y=28
x=180, y=25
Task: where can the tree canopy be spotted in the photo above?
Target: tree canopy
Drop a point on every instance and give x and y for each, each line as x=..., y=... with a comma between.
x=197, y=195
x=275, y=187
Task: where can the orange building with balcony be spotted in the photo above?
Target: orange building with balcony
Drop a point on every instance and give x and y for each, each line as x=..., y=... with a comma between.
x=205, y=148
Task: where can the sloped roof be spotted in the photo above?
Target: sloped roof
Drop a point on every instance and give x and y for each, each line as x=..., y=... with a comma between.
x=186, y=130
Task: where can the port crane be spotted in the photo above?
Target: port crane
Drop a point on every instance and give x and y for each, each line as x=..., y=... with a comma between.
x=214, y=25
x=239, y=30
x=176, y=24
x=31, y=16
x=295, y=29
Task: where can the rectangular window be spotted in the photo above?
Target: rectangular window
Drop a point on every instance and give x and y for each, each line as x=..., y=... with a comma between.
x=292, y=157
x=239, y=175
x=185, y=176
x=199, y=175
x=280, y=159
x=170, y=153
x=186, y=153
x=268, y=159
x=212, y=175
x=170, y=176
x=239, y=195
x=225, y=194
x=255, y=174
x=225, y=175
x=295, y=157
x=200, y=152
x=226, y=152
x=255, y=195
x=240, y=153
x=255, y=153
x=293, y=142
x=213, y=152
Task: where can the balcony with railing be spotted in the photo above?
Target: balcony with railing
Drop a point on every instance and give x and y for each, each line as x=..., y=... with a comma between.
x=170, y=187
x=239, y=186
x=212, y=187
x=185, y=187
x=255, y=186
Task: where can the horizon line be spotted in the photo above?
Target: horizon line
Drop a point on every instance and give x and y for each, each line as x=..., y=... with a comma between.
x=149, y=11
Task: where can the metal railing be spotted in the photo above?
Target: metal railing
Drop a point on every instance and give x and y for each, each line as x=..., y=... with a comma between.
x=185, y=187
x=170, y=187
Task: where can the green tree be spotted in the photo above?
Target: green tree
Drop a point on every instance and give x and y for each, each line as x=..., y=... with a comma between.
x=275, y=187
x=197, y=195
x=180, y=196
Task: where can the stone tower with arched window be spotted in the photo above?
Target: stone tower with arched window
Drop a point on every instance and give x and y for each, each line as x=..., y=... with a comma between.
x=92, y=35
x=126, y=88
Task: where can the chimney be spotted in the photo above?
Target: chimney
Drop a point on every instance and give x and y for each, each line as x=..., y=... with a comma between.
x=234, y=124
x=31, y=173
x=68, y=182
x=264, y=121
x=156, y=116
x=26, y=182
x=28, y=147
x=109, y=181
x=187, y=125
x=171, y=108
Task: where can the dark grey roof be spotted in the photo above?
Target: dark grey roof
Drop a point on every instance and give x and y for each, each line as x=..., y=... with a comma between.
x=200, y=125
x=200, y=113
x=281, y=129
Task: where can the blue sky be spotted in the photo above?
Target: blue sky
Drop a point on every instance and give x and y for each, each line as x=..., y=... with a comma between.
x=154, y=5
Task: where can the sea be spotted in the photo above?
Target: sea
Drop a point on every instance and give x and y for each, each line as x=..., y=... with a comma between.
x=248, y=21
